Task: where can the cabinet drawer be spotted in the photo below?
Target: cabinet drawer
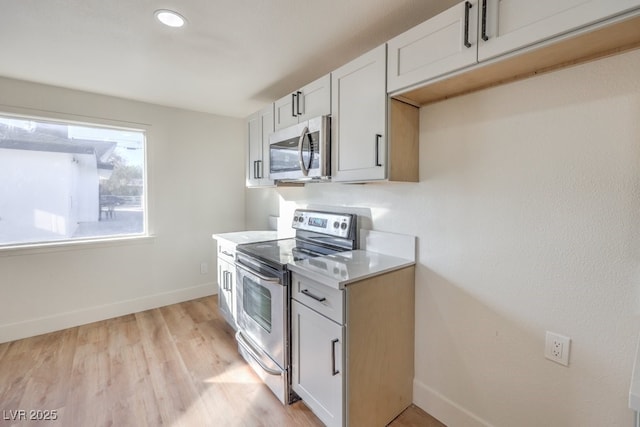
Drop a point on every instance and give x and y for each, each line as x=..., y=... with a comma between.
x=325, y=300
x=227, y=252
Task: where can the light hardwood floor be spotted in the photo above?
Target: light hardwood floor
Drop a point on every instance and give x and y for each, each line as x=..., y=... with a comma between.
x=175, y=366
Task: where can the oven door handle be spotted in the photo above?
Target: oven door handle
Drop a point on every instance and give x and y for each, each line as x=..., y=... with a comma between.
x=254, y=354
x=258, y=275
x=303, y=167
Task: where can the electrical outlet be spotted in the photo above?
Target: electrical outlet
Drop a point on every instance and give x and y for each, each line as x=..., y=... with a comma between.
x=556, y=348
x=204, y=268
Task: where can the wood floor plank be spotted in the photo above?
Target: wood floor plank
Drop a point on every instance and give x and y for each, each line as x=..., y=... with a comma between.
x=176, y=366
x=130, y=392
x=49, y=380
x=415, y=417
x=87, y=401
x=4, y=347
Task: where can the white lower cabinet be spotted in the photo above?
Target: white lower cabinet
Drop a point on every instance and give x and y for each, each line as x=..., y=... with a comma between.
x=352, y=349
x=226, y=294
x=227, y=282
x=317, y=363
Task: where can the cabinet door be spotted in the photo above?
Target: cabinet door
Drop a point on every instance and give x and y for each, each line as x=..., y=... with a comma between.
x=226, y=291
x=444, y=43
x=359, y=115
x=315, y=99
x=285, y=111
x=317, y=363
x=513, y=24
x=259, y=126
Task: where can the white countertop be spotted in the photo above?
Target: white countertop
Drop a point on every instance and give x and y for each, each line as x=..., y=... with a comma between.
x=253, y=236
x=341, y=269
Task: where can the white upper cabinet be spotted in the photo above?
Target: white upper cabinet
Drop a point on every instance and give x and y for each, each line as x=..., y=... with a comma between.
x=442, y=44
x=259, y=126
x=358, y=126
x=312, y=100
x=474, y=31
x=507, y=25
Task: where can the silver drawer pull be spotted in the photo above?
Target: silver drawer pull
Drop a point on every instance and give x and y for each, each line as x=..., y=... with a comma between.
x=315, y=297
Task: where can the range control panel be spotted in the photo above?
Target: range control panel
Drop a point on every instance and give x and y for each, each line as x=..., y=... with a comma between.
x=333, y=224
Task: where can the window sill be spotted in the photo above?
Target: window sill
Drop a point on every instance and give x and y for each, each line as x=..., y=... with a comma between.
x=75, y=245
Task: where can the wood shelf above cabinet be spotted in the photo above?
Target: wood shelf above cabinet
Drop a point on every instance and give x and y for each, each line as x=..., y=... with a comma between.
x=590, y=43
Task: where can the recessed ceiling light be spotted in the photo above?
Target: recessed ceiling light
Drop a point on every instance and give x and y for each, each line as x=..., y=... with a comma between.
x=170, y=18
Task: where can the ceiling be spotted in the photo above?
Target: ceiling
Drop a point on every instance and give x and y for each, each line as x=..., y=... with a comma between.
x=231, y=58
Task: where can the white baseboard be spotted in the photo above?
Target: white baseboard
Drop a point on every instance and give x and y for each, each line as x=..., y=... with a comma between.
x=43, y=325
x=444, y=409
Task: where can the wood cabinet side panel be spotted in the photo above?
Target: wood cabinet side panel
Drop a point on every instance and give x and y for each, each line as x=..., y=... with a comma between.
x=380, y=347
x=404, y=129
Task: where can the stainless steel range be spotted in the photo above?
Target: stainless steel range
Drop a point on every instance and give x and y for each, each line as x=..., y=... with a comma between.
x=264, y=294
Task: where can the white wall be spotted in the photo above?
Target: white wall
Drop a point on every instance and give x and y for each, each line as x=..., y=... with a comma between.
x=196, y=188
x=528, y=219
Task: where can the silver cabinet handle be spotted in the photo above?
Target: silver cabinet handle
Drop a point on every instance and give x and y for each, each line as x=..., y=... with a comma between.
x=227, y=253
x=483, y=25
x=315, y=297
x=467, y=7
x=303, y=167
x=230, y=281
x=299, y=95
x=334, y=371
x=293, y=105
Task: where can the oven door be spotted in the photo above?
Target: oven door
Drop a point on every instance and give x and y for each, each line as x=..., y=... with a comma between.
x=262, y=310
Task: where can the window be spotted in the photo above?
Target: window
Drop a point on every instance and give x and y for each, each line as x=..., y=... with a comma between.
x=64, y=181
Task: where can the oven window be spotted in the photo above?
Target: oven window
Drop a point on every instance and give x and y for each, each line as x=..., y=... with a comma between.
x=256, y=302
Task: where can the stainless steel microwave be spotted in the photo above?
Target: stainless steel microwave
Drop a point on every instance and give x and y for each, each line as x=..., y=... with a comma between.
x=301, y=152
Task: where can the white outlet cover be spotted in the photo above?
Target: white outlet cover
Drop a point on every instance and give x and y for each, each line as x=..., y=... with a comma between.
x=557, y=347
x=204, y=268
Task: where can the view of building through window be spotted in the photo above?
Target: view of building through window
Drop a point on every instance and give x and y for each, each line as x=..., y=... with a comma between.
x=64, y=181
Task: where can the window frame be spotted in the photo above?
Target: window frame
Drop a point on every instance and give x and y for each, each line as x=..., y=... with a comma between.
x=92, y=241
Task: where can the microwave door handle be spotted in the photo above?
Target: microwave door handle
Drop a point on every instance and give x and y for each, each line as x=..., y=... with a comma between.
x=303, y=167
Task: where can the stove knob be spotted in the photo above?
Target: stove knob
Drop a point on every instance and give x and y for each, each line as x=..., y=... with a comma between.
x=336, y=224
x=343, y=226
